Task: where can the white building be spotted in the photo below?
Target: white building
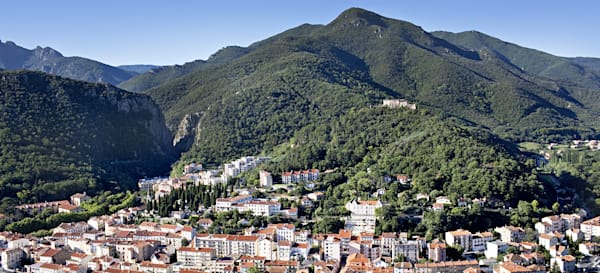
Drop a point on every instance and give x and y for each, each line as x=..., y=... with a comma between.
x=284, y=231
x=266, y=180
x=332, y=248
x=362, y=217
x=195, y=256
x=459, y=237
x=510, y=234
x=591, y=228
x=409, y=250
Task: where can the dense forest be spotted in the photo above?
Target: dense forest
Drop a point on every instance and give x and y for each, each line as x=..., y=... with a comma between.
x=60, y=136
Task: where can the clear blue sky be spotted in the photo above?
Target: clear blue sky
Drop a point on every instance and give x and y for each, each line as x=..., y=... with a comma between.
x=174, y=32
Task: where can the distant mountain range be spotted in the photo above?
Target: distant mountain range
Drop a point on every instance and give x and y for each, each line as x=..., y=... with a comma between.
x=48, y=60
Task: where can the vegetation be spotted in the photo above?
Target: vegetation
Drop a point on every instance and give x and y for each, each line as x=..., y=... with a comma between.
x=59, y=137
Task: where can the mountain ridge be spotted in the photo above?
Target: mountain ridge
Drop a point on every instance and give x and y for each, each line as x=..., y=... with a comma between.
x=49, y=60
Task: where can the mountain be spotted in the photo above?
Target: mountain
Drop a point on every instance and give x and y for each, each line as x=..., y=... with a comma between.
x=164, y=74
x=580, y=71
x=60, y=136
x=138, y=68
x=50, y=61
x=260, y=96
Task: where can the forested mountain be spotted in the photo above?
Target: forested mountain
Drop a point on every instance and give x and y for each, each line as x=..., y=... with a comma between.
x=159, y=75
x=59, y=136
x=573, y=71
x=257, y=97
x=51, y=61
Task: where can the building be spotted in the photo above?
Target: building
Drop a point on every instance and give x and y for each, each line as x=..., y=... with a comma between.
x=494, y=249
x=357, y=262
x=195, y=256
x=445, y=267
x=332, y=248
x=362, y=217
x=565, y=264
x=459, y=237
x=547, y=240
x=510, y=234
x=436, y=251
x=68, y=208
x=397, y=103
x=266, y=180
x=299, y=176
x=11, y=258
x=79, y=198
x=409, y=250
x=284, y=232
x=591, y=228
x=479, y=240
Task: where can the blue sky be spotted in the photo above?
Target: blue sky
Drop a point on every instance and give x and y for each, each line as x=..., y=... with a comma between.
x=174, y=32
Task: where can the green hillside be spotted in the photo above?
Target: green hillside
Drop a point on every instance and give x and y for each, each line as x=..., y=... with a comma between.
x=258, y=97
x=59, y=136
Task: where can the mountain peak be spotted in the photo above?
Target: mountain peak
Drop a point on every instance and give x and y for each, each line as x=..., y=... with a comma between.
x=359, y=17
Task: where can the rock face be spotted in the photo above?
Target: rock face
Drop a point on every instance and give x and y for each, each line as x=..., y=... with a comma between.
x=187, y=132
x=53, y=62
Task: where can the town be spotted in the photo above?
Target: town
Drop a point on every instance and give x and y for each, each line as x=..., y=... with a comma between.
x=186, y=238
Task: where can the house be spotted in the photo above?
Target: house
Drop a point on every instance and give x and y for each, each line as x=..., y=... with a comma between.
x=547, y=240
x=357, y=262
x=316, y=196
x=79, y=198
x=575, y=234
x=10, y=259
x=205, y=223
x=564, y=263
x=68, y=208
x=510, y=234
x=403, y=179
x=479, y=240
x=443, y=200
x=305, y=202
x=591, y=228
x=511, y=267
x=436, y=251
x=409, y=250
x=494, y=249
x=437, y=207
x=284, y=232
x=55, y=256
x=459, y=237
x=149, y=267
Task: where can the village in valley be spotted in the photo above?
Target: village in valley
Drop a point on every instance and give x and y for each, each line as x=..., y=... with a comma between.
x=265, y=228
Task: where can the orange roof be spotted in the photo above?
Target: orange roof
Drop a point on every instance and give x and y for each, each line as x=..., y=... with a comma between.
x=368, y=202
x=513, y=267
x=51, y=266
x=460, y=232
x=50, y=253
